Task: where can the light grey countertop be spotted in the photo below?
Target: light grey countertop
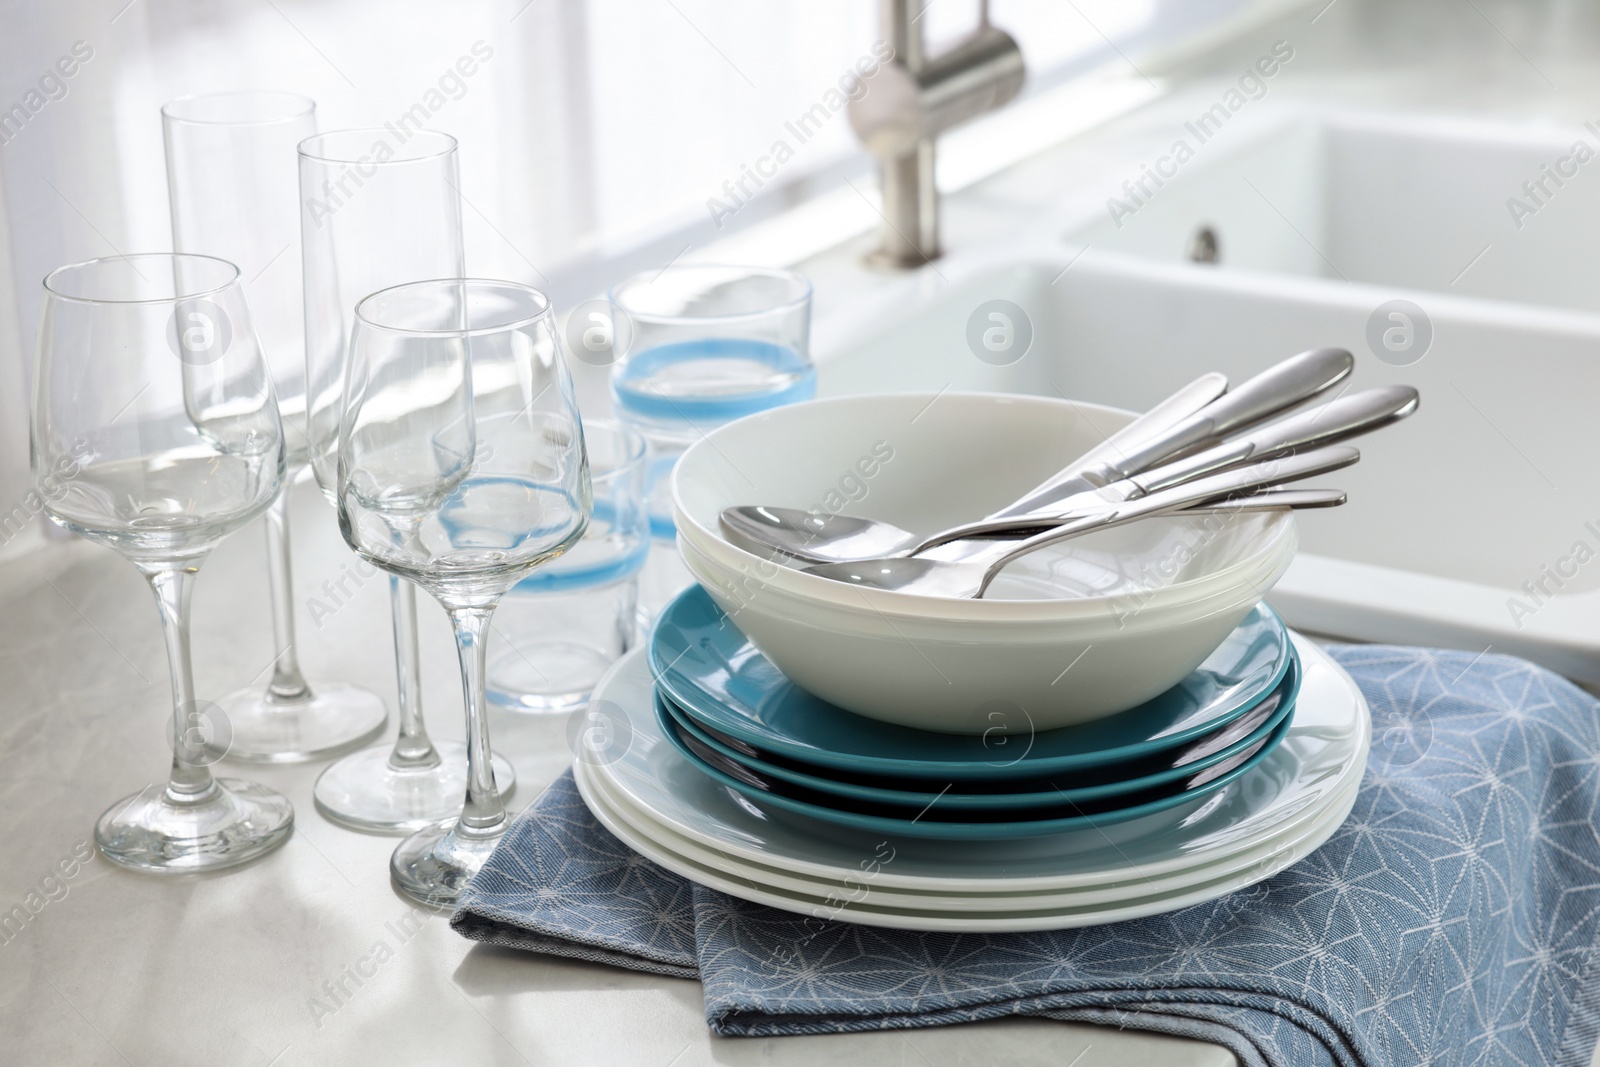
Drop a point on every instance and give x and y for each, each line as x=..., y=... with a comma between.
x=228, y=969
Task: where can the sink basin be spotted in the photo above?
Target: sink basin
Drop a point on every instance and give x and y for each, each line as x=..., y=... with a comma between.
x=1441, y=205
x=1474, y=524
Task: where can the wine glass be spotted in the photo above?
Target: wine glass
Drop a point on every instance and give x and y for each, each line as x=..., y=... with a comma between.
x=378, y=207
x=461, y=467
x=155, y=432
x=234, y=191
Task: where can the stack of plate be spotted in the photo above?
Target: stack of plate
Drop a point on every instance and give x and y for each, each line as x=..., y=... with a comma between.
x=735, y=778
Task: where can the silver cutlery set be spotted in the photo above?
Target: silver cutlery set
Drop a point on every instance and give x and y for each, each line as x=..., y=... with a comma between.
x=1200, y=450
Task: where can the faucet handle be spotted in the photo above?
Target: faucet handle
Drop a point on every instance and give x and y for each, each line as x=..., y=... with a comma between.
x=907, y=102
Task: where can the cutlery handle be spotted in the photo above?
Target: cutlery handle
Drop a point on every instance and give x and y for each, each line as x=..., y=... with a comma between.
x=1298, y=499
x=1241, y=479
x=1106, y=457
x=1337, y=420
x=1266, y=500
x=1295, y=380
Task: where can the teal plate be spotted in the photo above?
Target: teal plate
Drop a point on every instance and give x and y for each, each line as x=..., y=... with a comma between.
x=1176, y=800
x=1166, y=768
x=715, y=675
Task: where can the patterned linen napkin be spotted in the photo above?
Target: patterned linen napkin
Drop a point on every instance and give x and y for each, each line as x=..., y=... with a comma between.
x=1452, y=920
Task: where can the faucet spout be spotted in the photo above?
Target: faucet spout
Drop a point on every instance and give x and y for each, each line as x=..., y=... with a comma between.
x=912, y=100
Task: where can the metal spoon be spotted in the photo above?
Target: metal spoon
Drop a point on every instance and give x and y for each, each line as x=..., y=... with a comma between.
x=845, y=538
x=970, y=577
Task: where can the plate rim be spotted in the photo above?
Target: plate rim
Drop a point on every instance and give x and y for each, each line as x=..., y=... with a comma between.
x=1312, y=657
x=963, y=801
x=737, y=725
x=1022, y=920
x=1290, y=837
x=940, y=830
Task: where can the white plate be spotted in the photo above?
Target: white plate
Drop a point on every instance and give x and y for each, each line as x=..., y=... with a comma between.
x=1324, y=752
x=652, y=839
x=957, y=919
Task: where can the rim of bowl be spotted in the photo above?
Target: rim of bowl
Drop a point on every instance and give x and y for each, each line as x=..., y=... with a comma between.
x=1096, y=614
x=1275, y=551
x=1281, y=528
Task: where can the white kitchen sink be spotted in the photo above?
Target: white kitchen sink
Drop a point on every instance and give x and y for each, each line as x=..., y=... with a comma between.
x=1469, y=524
x=1436, y=204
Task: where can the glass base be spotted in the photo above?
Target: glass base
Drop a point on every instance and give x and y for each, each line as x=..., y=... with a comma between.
x=547, y=678
x=336, y=719
x=433, y=866
x=235, y=823
x=362, y=792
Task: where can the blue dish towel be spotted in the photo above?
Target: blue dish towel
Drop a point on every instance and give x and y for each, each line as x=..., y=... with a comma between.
x=1452, y=920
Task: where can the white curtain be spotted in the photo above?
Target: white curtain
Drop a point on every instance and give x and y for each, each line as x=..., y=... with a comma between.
x=593, y=132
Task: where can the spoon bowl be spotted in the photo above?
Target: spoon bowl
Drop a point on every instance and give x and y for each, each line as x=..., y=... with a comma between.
x=816, y=537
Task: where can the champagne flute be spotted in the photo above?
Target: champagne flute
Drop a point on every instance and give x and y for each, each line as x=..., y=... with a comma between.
x=461, y=467
x=155, y=432
x=233, y=185
x=378, y=207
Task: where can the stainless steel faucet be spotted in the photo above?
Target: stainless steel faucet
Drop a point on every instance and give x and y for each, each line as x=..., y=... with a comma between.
x=913, y=99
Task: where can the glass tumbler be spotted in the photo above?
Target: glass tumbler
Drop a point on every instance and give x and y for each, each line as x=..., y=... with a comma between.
x=702, y=344
x=560, y=629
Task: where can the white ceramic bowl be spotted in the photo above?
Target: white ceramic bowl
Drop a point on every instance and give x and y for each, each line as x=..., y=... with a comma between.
x=1079, y=632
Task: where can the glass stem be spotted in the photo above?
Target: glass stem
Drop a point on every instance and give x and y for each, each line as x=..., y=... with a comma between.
x=190, y=782
x=288, y=685
x=483, y=815
x=412, y=749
